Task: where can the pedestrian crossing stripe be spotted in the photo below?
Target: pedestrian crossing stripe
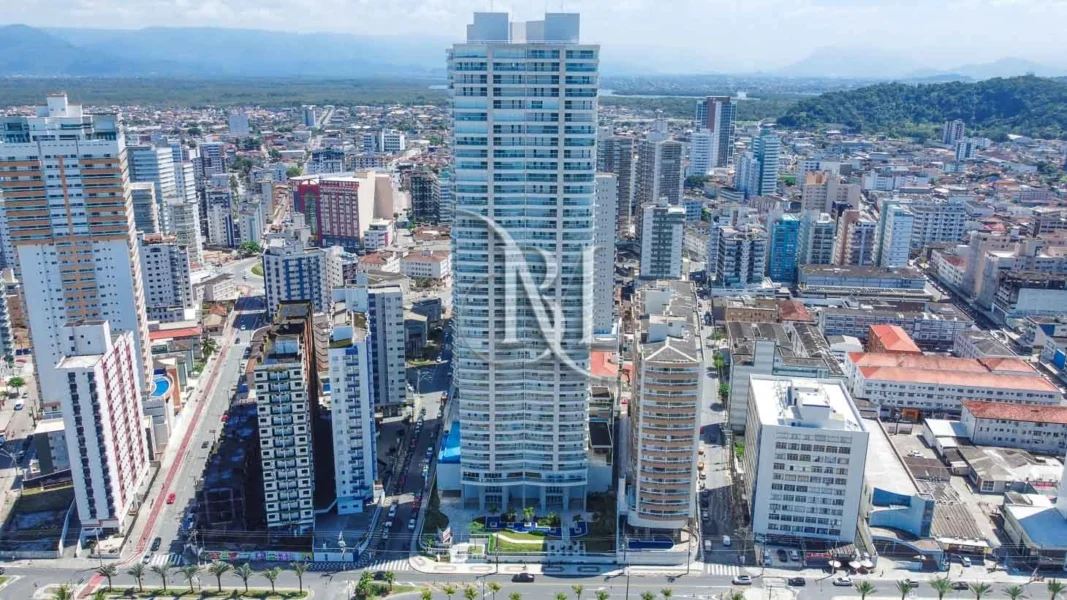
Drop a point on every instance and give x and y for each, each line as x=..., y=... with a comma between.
x=392, y=565
x=720, y=569
x=172, y=559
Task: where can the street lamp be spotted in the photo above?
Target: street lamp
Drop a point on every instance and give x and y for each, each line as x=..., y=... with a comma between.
x=341, y=544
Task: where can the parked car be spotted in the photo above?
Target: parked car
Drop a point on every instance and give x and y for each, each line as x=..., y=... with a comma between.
x=522, y=578
x=392, y=511
x=843, y=581
x=965, y=560
x=726, y=540
x=766, y=559
x=147, y=558
x=797, y=581
x=912, y=583
x=379, y=576
x=171, y=498
x=411, y=525
x=782, y=555
x=794, y=556
x=741, y=580
x=961, y=585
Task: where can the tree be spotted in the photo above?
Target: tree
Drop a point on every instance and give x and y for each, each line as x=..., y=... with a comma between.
x=218, y=569
x=941, y=585
x=528, y=513
x=494, y=587
x=63, y=593
x=515, y=596
x=299, y=568
x=724, y=390
x=363, y=588
x=1014, y=591
x=390, y=578
x=475, y=528
x=107, y=571
x=648, y=596
x=577, y=589
x=16, y=382
x=271, y=575
x=164, y=573
x=903, y=586
x=245, y=573
x=100, y=595
x=293, y=172
x=249, y=248
x=980, y=589
x=449, y=590
x=666, y=593
x=427, y=595
x=602, y=595
x=137, y=572
x=865, y=588
x=189, y=572
x=470, y=593
x=1055, y=588
x=735, y=595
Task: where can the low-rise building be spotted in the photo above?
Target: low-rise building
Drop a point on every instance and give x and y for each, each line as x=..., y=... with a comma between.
x=427, y=264
x=978, y=343
x=834, y=280
x=1036, y=429
x=929, y=323
x=890, y=338
x=1036, y=525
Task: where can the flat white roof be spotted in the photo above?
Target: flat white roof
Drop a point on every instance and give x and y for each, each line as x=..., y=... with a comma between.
x=802, y=402
x=885, y=470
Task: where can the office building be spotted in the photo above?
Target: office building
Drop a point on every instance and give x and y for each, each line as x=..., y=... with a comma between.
x=659, y=170
x=607, y=198
x=145, y=209
x=664, y=414
x=238, y=124
x=427, y=264
x=168, y=291
x=782, y=248
x=155, y=165
x=716, y=114
x=952, y=132
x=701, y=149
x=338, y=209
x=380, y=235
x=80, y=263
x=806, y=437
x=821, y=190
x=893, y=239
x=815, y=239
x=185, y=226
x=524, y=444
x=391, y=141
x=615, y=155
x=352, y=415
x=425, y=196
x=287, y=383
x=740, y=256
x=292, y=272
x=854, y=244
x=869, y=282
x=101, y=406
x=662, y=239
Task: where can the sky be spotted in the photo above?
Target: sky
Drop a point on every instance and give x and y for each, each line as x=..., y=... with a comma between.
x=655, y=35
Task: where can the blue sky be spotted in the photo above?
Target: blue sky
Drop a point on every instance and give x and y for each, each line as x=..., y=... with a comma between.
x=714, y=35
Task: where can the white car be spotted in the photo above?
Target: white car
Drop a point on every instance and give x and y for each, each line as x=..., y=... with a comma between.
x=741, y=580
x=392, y=511
x=411, y=525
x=843, y=581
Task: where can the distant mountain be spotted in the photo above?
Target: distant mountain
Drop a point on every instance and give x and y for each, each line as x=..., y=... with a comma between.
x=206, y=51
x=1027, y=105
x=1005, y=67
x=850, y=62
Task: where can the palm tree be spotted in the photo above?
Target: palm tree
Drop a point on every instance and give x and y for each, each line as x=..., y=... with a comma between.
x=427, y=595
x=577, y=589
x=63, y=593
x=515, y=596
x=1055, y=588
x=244, y=572
x=363, y=588
x=980, y=589
x=494, y=587
x=648, y=596
x=666, y=593
x=735, y=595
x=164, y=572
x=218, y=569
x=941, y=585
x=299, y=568
x=99, y=595
x=865, y=588
x=449, y=590
x=1014, y=592
x=108, y=571
x=137, y=572
x=528, y=513
x=602, y=595
x=271, y=575
x=470, y=593
x=903, y=586
x=390, y=578
x=561, y=596
x=189, y=572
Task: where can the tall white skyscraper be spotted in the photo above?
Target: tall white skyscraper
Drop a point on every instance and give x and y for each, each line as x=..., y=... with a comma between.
x=523, y=400
x=615, y=155
x=659, y=169
x=701, y=149
x=893, y=240
x=352, y=416
x=662, y=240
x=952, y=132
x=77, y=261
x=155, y=164
x=716, y=114
x=607, y=199
x=757, y=170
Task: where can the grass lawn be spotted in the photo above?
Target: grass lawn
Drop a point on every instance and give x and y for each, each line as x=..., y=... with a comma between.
x=257, y=270
x=533, y=543
x=3, y=580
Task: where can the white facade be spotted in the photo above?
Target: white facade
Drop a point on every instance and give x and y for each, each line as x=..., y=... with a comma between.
x=293, y=272
x=429, y=264
x=167, y=287
x=391, y=141
x=284, y=409
x=145, y=209
x=605, y=218
x=155, y=165
x=220, y=217
x=659, y=171
x=381, y=299
x=379, y=234
x=81, y=264
x=352, y=418
x=815, y=239
x=238, y=124
x=662, y=240
x=893, y=242
x=716, y=114
x=185, y=226
x=250, y=222
x=524, y=426
x=805, y=459
x=740, y=255
x=701, y=148
x=102, y=416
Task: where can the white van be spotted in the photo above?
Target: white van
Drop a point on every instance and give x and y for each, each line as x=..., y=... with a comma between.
x=726, y=540
x=708, y=545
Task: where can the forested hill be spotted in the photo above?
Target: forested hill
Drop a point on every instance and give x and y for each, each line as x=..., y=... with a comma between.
x=1029, y=105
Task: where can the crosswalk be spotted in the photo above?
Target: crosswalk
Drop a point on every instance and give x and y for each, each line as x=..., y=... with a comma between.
x=389, y=565
x=720, y=569
x=172, y=559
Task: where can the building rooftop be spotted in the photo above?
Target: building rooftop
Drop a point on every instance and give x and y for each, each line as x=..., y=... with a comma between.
x=1010, y=464
x=667, y=323
x=858, y=271
x=955, y=378
x=892, y=338
x=1039, y=517
x=802, y=402
x=1008, y=411
x=885, y=469
x=985, y=343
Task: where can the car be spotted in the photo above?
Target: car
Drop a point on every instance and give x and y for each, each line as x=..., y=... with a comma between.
x=203, y=447
x=703, y=475
x=911, y=583
x=389, y=524
x=726, y=540
x=392, y=511
x=411, y=525
x=794, y=556
x=379, y=576
x=965, y=560
x=19, y=404
x=147, y=558
x=156, y=543
x=171, y=498
x=225, y=418
x=843, y=581
x=522, y=578
x=385, y=534
x=783, y=556
x=797, y=581
x=741, y=580
x=767, y=559
x=961, y=585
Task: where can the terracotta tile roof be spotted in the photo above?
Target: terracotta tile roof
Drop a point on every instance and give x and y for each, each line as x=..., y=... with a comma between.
x=167, y=334
x=601, y=365
x=793, y=310
x=955, y=378
x=1009, y=411
x=916, y=361
x=892, y=338
x=1002, y=364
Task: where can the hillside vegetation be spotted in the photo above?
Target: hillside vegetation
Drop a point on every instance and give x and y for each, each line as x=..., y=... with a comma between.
x=1029, y=105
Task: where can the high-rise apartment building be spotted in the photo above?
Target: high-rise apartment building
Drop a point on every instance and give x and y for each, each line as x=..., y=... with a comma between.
x=185, y=226
x=101, y=406
x=668, y=369
x=336, y=208
x=607, y=198
x=662, y=240
x=854, y=243
x=701, y=150
x=893, y=240
x=446, y=204
x=155, y=165
x=425, y=196
x=309, y=114
x=615, y=155
x=741, y=256
x=219, y=202
x=805, y=459
x=380, y=297
x=782, y=250
x=352, y=415
x=716, y=114
x=523, y=403
x=815, y=239
x=757, y=170
x=145, y=209
x=287, y=385
x=238, y=124
x=165, y=269
x=822, y=189
x=292, y=272
x=70, y=220
x=659, y=168
x=953, y=132
x=391, y=141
